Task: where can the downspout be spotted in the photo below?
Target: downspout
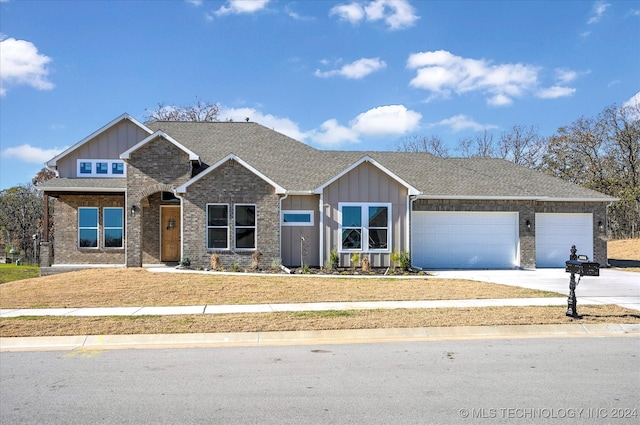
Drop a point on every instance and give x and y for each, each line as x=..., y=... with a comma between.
x=410, y=200
x=321, y=242
x=286, y=195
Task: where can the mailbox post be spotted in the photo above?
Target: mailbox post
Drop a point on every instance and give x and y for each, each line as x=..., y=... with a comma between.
x=582, y=266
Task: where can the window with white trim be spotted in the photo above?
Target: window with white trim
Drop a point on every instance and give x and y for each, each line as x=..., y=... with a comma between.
x=87, y=227
x=217, y=226
x=101, y=168
x=365, y=227
x=113, y=225
x=245, y=226
x=296, y=218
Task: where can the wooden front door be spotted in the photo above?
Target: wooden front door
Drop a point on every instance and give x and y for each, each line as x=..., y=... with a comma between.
x=169, y=233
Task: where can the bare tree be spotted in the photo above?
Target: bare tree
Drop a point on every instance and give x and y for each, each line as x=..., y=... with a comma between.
x=522, y=145
x=482, y=146
x=199, y=111
x=430, y=144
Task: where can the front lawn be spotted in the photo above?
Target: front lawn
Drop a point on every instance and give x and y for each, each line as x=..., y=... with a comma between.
x=11, y=272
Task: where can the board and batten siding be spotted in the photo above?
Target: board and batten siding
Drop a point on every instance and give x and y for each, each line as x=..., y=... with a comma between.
x=107, y=145
x=366, y=184
x=291, y=235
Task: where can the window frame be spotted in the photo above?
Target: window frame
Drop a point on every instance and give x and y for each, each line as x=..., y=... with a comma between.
x=365, y=226
x=227, y=227
x=93, y=164
x=96, y=228
x=237, y=227
x=284, y=223
x=105, y=228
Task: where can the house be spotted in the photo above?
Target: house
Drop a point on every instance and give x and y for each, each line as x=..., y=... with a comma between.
x=134, y=194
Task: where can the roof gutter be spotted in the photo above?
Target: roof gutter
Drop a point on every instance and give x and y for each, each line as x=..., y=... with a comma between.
x=82, y=189
x=517, y=198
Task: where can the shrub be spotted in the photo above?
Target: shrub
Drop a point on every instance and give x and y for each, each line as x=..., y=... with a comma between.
x=355, y=257
x=334, y=258
x=394, y=257
x=405, y=261
x=276, y=263
x=185, y=262
x=215, y=261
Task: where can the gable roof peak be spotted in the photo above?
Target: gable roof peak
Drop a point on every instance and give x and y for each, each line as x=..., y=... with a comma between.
x=125, y=116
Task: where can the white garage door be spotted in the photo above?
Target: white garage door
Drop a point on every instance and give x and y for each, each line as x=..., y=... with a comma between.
x=555, y=233
x=464, y=240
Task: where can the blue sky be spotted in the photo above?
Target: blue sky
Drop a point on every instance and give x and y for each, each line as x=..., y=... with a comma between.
x=355, y=75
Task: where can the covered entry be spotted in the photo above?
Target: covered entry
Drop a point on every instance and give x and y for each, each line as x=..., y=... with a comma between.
x=464, y=240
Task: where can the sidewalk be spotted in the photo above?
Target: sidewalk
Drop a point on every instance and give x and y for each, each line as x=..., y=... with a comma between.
x=629, y=302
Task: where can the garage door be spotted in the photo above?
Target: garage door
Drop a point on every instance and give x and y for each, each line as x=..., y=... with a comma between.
x=464, y=240
x=555, y=233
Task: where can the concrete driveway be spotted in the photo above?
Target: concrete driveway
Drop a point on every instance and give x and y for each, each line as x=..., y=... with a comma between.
x=612, y=286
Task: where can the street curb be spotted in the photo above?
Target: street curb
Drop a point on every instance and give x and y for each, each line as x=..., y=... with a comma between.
x=341, y=336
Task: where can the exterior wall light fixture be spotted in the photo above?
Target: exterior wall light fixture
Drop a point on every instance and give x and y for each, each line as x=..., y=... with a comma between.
x=528, y=224
x=133, y=210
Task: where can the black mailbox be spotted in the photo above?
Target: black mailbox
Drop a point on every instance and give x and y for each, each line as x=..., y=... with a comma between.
x=578, y=265
x=583, y=268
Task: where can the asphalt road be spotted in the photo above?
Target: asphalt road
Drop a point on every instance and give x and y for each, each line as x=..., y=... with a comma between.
x=564, y=380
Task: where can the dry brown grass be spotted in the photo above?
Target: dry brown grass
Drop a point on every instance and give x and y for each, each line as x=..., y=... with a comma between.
x=366, y=319
x=624, y=249
x=139, y=287
x=627, y=250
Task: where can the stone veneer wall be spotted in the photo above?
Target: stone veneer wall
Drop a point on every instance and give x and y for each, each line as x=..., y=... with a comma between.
x=157, y=166
x=527, y=211
x=231, y=184
x=66, y=230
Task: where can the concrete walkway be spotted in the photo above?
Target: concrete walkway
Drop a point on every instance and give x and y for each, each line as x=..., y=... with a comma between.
x=632, y=302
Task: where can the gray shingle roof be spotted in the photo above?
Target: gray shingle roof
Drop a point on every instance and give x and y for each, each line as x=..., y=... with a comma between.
x=298, y=167
x=84, y=185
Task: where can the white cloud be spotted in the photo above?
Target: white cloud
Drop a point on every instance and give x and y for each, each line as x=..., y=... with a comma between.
x=442, y=73
x=281, y=125
x=397, y=14
x=331, y=133
x=385, y=120
x=462, y=122
x=31, y=154
x=21, y=64
x=242, y=6
x=380, y=121
x=597, y=12
x=352, y=13
x=194, y=2
x=633, y=102
x=564, y=76
x=354, y=70
x=554, y=92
